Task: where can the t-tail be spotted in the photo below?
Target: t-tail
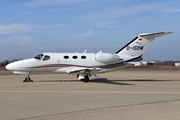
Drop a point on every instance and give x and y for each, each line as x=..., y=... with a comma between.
x=137, y=47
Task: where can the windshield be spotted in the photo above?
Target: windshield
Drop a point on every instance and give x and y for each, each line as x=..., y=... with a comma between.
x=39, y=57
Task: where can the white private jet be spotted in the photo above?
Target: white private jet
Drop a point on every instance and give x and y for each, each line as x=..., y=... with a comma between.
x=85, y=64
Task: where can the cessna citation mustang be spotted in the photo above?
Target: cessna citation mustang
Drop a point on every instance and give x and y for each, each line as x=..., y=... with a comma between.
x=85, y=64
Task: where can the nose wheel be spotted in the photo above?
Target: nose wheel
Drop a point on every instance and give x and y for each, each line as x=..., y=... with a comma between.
x=27, y=79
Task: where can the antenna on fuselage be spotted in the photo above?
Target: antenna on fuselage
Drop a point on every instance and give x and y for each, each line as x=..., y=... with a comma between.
x=85, y=51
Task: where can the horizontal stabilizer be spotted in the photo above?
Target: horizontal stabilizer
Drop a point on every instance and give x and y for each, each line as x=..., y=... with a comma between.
x=155, y=34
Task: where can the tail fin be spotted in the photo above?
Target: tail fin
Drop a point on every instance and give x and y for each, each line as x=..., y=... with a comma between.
x=140, y=44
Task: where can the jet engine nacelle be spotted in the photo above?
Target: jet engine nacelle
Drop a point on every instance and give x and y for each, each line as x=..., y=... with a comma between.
x=106, y=57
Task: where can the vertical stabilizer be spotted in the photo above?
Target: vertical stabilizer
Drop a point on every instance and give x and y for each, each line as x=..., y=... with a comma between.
x=140, y=44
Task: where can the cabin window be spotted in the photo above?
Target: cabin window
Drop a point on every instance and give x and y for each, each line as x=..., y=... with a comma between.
x=83, y=57
x=74, y=57
x=66, y=57
x=39, y=57
x=46, y=57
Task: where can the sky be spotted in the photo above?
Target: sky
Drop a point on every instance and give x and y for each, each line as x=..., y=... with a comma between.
x=30, y=27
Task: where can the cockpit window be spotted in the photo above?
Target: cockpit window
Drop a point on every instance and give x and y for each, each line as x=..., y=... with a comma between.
x=39, y=57
x=46, y=57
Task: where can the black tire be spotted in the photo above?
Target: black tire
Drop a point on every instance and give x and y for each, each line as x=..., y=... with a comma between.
x=25, y=80
x=86, y=79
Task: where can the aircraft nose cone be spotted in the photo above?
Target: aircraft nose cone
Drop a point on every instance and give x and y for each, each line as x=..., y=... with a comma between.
x=9, y=67
x=12, y=66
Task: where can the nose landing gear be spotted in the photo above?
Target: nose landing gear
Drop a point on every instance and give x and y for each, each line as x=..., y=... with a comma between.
x=28, y=79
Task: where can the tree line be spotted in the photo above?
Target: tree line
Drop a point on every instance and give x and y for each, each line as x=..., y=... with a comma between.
x=5, y=62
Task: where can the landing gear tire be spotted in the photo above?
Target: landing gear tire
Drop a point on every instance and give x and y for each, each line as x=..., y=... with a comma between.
x=86, y=79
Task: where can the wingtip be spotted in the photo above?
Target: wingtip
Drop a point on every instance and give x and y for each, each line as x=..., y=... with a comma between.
x=169, y=32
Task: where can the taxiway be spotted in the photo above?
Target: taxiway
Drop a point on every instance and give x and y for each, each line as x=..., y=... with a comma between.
x=125, y=95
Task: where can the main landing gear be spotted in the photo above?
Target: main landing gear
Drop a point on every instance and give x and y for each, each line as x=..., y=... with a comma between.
x=86, y=79
x=28, y=79
x=83, y=78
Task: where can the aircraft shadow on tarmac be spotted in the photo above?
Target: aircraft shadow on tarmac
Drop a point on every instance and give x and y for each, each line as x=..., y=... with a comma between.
x=96, y=80
x=112, y=82
x=119, y=82
x=106, y=81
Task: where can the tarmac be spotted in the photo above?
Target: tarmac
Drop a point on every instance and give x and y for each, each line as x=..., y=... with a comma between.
x=119, y=95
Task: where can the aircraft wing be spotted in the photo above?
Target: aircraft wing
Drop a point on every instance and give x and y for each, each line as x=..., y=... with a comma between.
x=82, y=70
x=79, y=70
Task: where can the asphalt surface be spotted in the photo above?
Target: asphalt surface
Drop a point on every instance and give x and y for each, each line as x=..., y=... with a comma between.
x=119, y=95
